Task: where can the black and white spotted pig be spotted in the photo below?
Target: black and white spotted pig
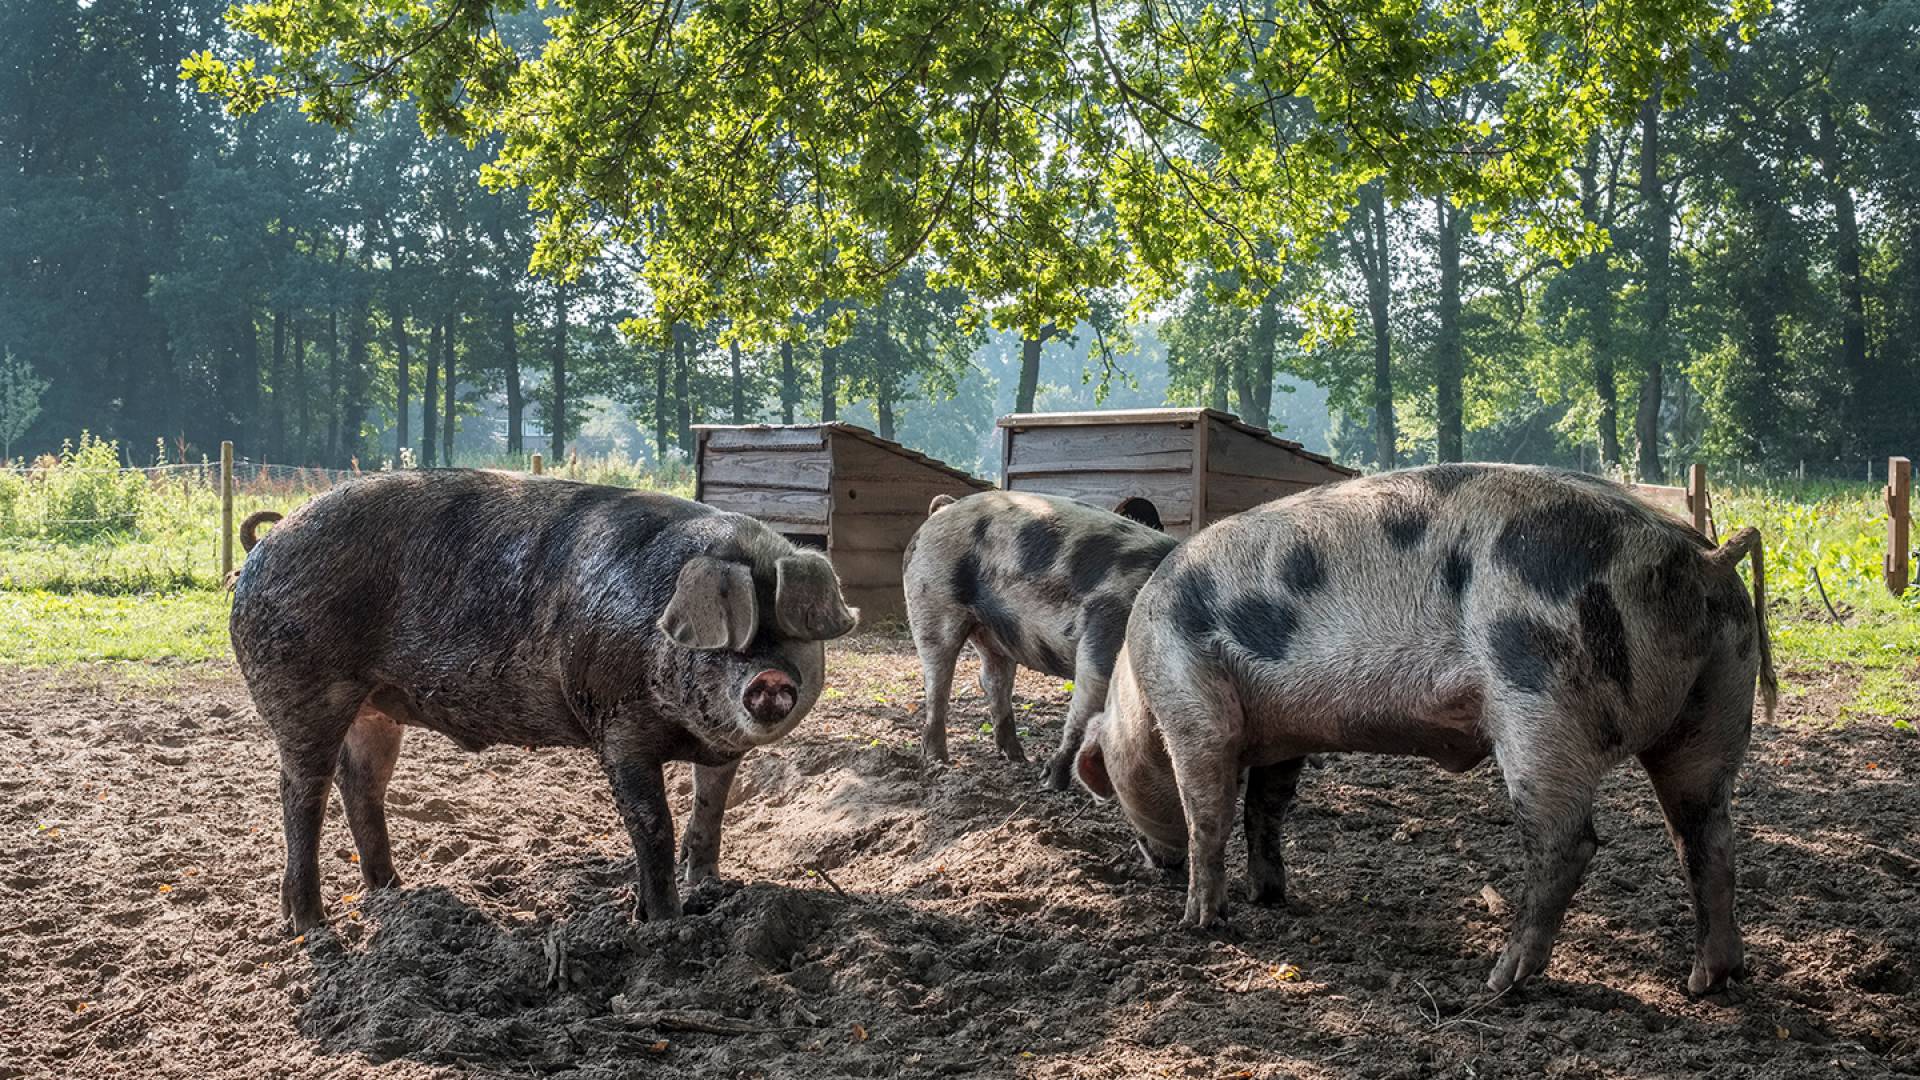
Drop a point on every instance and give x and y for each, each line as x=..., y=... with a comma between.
x=495, y=608
x=1033, y=580
x=1544, y=617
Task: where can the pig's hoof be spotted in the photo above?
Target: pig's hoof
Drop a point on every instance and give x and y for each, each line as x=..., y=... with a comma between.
x=1705, y=980
x=695, y=874
x=377, y=878
x=933, y=753
x=1059, y=773
x=1268, y=894
x=300, y=922
x=1010, y=747
x=1515, y=967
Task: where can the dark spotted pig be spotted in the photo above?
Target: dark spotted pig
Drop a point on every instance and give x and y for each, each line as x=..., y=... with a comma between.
x=495, y=608
x=1544, y=617
x=1033, y=580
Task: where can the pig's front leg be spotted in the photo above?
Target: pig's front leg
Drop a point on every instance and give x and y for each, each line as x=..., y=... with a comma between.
x=1270, y=791
x=640, y=793
x=700, y=846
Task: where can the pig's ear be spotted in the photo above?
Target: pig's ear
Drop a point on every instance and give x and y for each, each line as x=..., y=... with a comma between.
x=1091, y=766
x=713, y=606
x=807, y=605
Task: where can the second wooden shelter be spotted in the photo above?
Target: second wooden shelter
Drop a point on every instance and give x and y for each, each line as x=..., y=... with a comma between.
x=1177, y=469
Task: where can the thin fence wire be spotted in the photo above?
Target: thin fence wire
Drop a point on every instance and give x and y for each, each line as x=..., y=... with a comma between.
x=37, y=496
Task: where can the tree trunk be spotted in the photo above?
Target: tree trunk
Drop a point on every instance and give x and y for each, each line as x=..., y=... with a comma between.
x=430, y=398
x=829, y=384
x=276, y=440
x=789, y=384
x=353, y=400
x=661, y=424
x=248, y=412
x=301, y=411
x=557, y=423
x=1378, y=271
x=1449, y=364
x=1854, y=361
x=1596, y=295
x=510, y=358
x=683, y=404
x=1217, y=386
x=448, y=424
x=1658, y=259
x=333, y=385
x=1266, y=338
x=1030, y=368
x=738, y=383
x=403, y=392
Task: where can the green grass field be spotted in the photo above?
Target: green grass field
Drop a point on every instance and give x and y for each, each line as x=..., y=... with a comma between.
x=139, y=579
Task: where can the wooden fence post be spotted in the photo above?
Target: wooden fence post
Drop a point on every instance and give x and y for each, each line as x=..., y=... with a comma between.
x=1697, y=498
x=226, y=509
x=1899, y=522
x=539, y=465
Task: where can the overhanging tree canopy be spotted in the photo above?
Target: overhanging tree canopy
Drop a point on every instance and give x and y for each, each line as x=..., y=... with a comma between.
x=769, y=155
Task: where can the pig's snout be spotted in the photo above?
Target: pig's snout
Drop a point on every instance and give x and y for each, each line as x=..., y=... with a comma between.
x=770, y=697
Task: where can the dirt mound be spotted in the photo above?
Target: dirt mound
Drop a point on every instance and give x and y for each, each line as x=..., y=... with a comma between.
x=878, y=920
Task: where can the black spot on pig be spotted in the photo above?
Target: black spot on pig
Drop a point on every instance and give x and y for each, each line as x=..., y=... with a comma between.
x=1095, y=557
x=1442, y=479
x=1457, y=572
x=1263, y=625
x=972, y=590
x=1193, y=605
x=1105, y=620
x=1604, y=633
x=1302, y=569
x=1038, y=542
x=980, y=526
x=1528, y=652
x=1406, y=525
x=1557, y=547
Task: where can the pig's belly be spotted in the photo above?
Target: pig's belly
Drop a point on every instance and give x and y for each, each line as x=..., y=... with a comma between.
x=482, y=713
x=1408, y=703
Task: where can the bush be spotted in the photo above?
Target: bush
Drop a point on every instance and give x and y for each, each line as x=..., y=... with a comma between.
x=86, y=495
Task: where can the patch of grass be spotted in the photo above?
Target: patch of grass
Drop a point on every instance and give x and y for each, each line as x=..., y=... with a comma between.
x=39, y=627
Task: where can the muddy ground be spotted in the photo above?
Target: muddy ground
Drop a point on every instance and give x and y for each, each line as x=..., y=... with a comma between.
x=879, y=921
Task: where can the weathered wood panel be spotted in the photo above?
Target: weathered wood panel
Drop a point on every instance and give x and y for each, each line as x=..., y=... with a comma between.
x=876, y=603
x=799, y=468
x=868, y=530
x=1229, y=495
x=765, y=438
x=1232, y=452
x=867, y=566
x=1170, y=493
x=1109, y=448
x=788, y=507
x=895, y=496
x=1663, y=497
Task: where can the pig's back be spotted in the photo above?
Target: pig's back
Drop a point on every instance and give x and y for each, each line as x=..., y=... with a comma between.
x=435, y=575
x=1427, y=592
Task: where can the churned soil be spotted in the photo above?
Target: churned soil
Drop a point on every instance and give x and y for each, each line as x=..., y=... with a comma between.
x=879, y=919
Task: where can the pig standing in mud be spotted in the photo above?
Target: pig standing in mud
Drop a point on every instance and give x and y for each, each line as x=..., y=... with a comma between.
x=1033, y=580
x=502, y=609
x=1544, y=617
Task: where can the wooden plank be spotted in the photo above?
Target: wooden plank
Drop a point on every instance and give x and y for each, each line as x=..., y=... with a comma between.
x=792, y=507
x=794, y=469
x=1113, y=447
x=1229, y=495
x=763, y=438
x=857, y=460
x=1100, y=417
x=876, y=531
x=876, y=603
x=866, y=566
x=1697, y=508
x=1202, y=440
x=1170, y=493
x=1665, y=498
x=854, y=495
x=1173, y=461
x=1899, y=524
x=1233, y=452
x=1006, y=454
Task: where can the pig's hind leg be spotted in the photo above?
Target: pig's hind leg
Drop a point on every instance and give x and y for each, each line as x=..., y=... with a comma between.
x=1089, y=697
x=1693, y=771
x=309, y=735
x=1270, y=791
x=938, y=641
x=366, y=765
x=1552, y=781
x=996, y=678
